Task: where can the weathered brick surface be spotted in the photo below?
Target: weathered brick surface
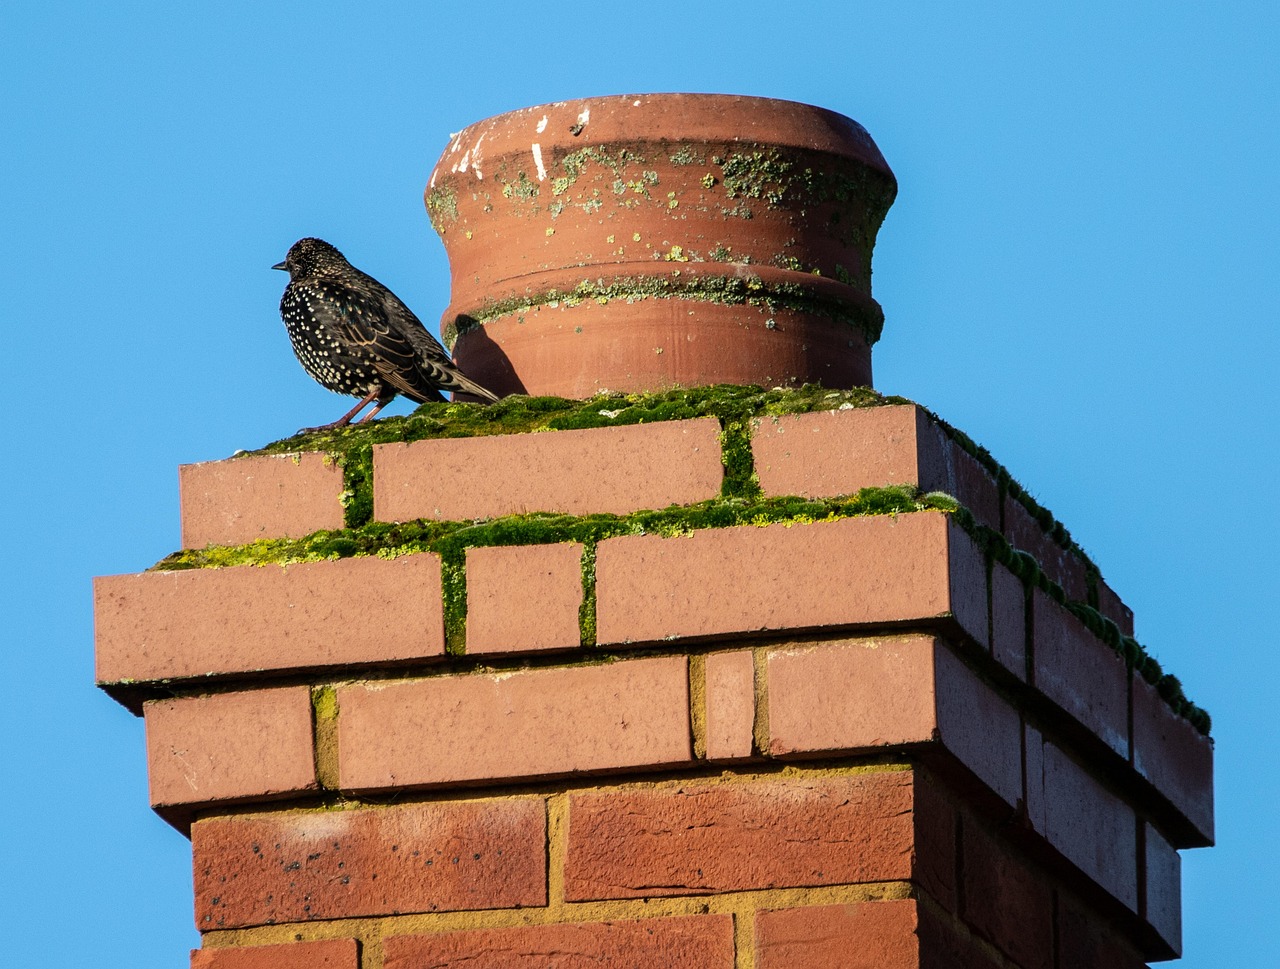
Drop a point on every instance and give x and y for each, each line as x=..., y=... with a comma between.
x=1089, y=825
x=1061, y=566
x=324, y=954
x=260, y=869
x=731, y=704
x=230, y=746
x=1175, y=757
x=1110, y=605
x=1007, y=902
x=265, y=496
x=1080, y=673
x=688, y=942
x=890, y=691
x=1085, y=941
x=614, y=469
x=934, y=865
x=747, y=579
x=1008, y=620
x=201, y=622
x=523, y=597
x=866, y=935
x=523, y=724
x=1162, y=907
x=705, y=838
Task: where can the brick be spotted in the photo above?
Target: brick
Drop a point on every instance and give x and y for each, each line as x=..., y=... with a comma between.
x=265, y=496
x=1162, y=906
x=1060, y=565
x=682, y=942
x=1176, y=758
x=1087, y=941
x=973, y=486
x=531, y=723
x=301, y=866
x=1008, y=620
x=524, y=597
x=1080, y=673
x=862, y=935
x=1007, y=902
x=230, y=746
x=723, y=581
x=1091, y=827
x=208, y=622
x=934, y=865
x=706, y=838
x=1110, y=605
x=731, y=704
x=888, y=692
x=610, y=469
x=325, y=954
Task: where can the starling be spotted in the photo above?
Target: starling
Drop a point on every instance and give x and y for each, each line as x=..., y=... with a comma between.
x=355, y=336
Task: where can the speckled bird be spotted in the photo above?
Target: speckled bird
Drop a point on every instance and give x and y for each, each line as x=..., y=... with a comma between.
x=355, y=336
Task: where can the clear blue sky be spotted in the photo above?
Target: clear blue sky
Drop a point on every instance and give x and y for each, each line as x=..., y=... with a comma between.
x=1079, y=272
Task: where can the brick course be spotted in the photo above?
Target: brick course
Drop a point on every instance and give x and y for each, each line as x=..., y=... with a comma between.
x=523, y=597
x=325, y=954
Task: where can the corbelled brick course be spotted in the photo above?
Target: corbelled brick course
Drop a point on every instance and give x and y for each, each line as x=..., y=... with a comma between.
x=612, y=469
x=1173, y=756
x=264, y=496
x=523, y=597
x=730, y=704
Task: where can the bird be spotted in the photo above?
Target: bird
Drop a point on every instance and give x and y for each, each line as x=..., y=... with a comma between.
x=354, y=336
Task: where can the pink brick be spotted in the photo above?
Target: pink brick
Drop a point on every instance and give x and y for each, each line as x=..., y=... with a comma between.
x=731, y=704
x=230, y=746
x=1163, y=904
x=530, y=723
x=685, y=942
x=1080, y=673
x=1061, y=566
x=207, y=622
x=524, y=597
x=1176, y=758
x=302, y=866
x=325, y=954
x=724, y=581
x=241, y=500
x=838, y=452
x=1090, y=826
x=1008, y=620
x=610, y=469
x=889, y=692
x=701, y=838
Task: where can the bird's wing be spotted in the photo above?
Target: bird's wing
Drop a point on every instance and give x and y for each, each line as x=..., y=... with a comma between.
x=362, y=321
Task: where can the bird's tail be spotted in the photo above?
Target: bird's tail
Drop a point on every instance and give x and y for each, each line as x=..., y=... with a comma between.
x=460, y=383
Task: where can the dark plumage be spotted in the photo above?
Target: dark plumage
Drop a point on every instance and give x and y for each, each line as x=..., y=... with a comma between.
x=355, y=336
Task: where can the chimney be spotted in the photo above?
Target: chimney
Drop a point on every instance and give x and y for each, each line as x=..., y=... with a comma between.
x=695, y=675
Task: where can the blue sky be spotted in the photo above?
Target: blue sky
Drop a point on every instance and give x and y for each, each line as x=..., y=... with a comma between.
x=1078, y=272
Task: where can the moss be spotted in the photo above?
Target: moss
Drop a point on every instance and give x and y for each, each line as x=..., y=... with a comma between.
x=442, y=207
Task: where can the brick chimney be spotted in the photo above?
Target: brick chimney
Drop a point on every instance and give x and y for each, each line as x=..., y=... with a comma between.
x=713, y=677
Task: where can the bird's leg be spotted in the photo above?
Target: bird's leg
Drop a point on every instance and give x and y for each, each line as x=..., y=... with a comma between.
x=345, y=419
x=386, y=396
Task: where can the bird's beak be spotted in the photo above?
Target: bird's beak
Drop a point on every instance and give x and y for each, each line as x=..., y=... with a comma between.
x=280, y=265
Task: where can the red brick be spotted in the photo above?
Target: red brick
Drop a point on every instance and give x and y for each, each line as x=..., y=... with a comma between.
x=1061, y=566
x=1007, y=902
x=1162, y=907
x=265, y=496
x=206, y=622
x=1109, y=605
x=706, y=838
x=325, y=954
x=934, y=865
x=687, y=942
x=524, y=597
x=230, y=746
x=261, y=869
x=863, y=935
x=611, y=469
x=1086, y=941
x=1009, y=620
x=1090, y=826
x=1080, y=673
x=888, y=692
x=722, y=581
x=1175, y=757
x=731, y=704
x=530, y=723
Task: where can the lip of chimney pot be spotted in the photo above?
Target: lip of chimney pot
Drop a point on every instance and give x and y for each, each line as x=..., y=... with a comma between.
x=639, y=242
